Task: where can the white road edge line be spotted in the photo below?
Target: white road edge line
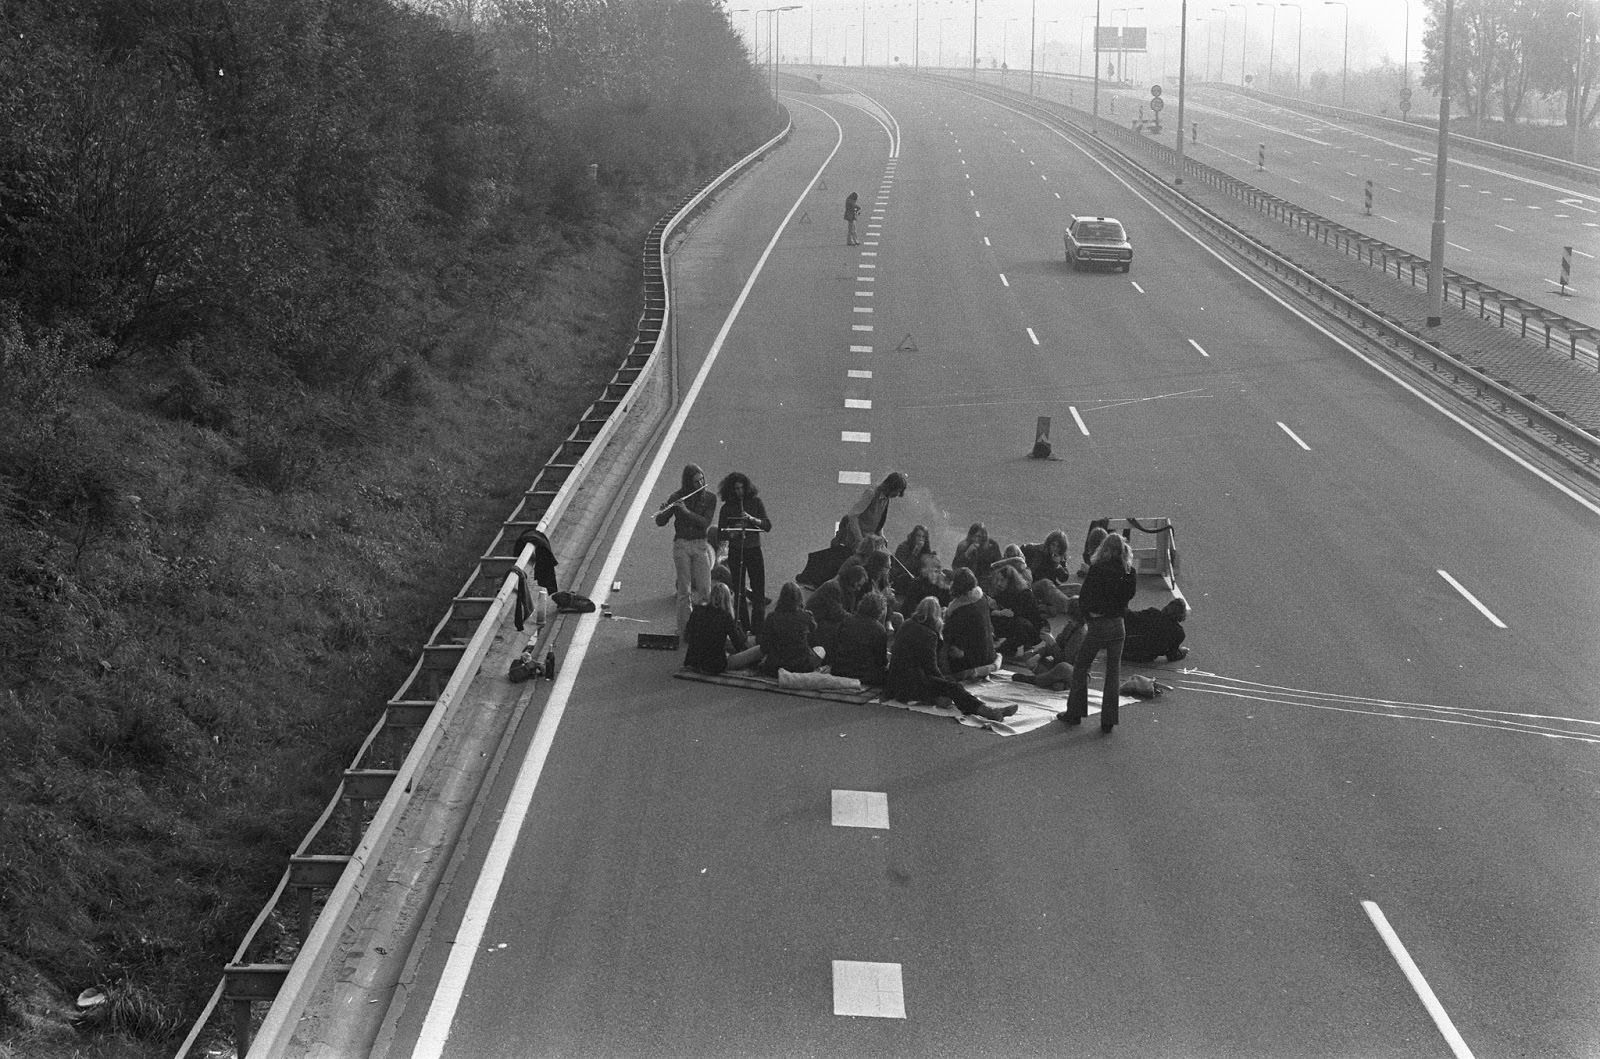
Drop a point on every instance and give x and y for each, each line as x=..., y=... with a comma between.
x=1470, y=598
x=468, y=940
x=1199, y=348
x=1078, y=419
x=1458, y=1047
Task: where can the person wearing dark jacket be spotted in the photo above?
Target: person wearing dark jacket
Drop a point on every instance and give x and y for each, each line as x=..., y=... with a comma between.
x=690, y=509
x=1019, y=624
x=1052, y=573
x=1108, y=588
x=711, y=631
x=1154, y=632
x=852, y=210
x=741, y=522
x=914, y=671
x=968, y=629
x=832, y=602
x=862, y=647
x=977, y=553
x=786, y=635
x=908, y=561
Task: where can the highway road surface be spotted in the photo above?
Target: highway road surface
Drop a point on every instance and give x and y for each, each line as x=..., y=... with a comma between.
x=1365, y=823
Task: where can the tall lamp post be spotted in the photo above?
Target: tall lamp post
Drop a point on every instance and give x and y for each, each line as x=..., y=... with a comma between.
x=1244, y=48
x=974, y=40
x=1183, y=51
x=1081, y=20
x=1436, y=247
x=1222, y=67
x=1033, y=43
x=1272, y=44
x=773, y=23
x=1577, y=82
x=1344, y=81
x=1299, y=33
x=1405, y=50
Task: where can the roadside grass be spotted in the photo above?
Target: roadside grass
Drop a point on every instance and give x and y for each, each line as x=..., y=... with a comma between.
x=226, y=640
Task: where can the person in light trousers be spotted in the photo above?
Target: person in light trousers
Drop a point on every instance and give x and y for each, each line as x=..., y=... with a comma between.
x=690, y=510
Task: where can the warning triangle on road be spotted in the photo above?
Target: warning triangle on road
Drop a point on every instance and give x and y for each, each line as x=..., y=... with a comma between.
x=822, y=185
x=805, y=217
x=907, y=344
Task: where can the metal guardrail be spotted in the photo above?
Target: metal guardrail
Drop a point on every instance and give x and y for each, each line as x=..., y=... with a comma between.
x=415, y=718
x=1582, y=440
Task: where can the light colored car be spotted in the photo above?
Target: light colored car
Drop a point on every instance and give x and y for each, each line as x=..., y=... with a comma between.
x=1098, y=241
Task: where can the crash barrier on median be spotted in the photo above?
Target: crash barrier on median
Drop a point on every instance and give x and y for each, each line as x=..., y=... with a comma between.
x=337, y=856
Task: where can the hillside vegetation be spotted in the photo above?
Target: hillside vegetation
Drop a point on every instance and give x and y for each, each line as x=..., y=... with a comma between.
x=295, y=296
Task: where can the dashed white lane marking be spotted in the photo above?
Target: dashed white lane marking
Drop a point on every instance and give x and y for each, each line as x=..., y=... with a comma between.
x=1470, y=598
x=1294, y=437
x=1078, y=419
x=861, y=308
x=1503, y=228
x=1458, y=246
x=1458, y=1047
x=1198, y=348
x=862, y=436
x=858, y=373
x=1033, y=337
x=986, y=241
x=869, y=242
x=1003, y=281
x=857, y=402
x=863, y=264
x=1580, y=253
x=861, y=349
x=861, y=327
x=860, y=809
x=863, y=294
x=1136, y=286
x=871, y=989
x=869, y=253
x=978, y=215
x=855, y=477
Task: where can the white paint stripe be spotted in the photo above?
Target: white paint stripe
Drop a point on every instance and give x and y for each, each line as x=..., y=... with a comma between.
x=1470, y=598
x=1033, y=336
x=866, y=264
x=861, y=436
x=978, y=215
x=863, y=294
x=862, y=309
x=1295, y=436
x=1458, y=1047
x=871, y=989
x=1198, y=347
x=858, y=373
x=855, y=477
x=869, y=253
x=861, y=327
x=861, y=349
x=869, y=242
x=1003, y=281
x=1458, y=246
x=866, y=279
x=860, y=809
x=468, y=941
x=986, y=240
x=857, y=402
x=1078, y=419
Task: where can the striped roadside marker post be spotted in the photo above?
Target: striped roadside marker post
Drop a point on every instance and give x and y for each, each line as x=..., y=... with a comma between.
x=1261, y=156
x=1566, y=269
x=1369, y=198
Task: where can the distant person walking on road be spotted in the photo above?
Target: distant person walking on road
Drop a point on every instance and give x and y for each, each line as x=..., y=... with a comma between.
x=852, y=210
x=1107, y=590
x=690, y=510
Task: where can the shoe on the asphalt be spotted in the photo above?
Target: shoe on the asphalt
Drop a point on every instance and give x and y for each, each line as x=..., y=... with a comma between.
x=1069, y=720
x=1178, y=655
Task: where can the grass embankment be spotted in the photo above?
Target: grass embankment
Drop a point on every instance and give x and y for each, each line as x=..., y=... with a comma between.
x=217, y=648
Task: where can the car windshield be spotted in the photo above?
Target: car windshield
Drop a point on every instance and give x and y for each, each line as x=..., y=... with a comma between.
x=1101, y=231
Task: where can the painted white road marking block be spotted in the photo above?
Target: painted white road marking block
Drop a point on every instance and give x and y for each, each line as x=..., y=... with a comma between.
x=860, y=809
x=857, y=402
x=871, y=989
x=855, y=477
x=855, y=435
x=1470, y=598
x=1295, y=437
x=1458, y=1047
x=859, y=373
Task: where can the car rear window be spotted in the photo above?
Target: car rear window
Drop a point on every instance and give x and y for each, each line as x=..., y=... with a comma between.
x=1100, y=230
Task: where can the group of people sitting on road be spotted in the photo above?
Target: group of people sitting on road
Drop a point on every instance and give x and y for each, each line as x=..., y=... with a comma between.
x=899, y=619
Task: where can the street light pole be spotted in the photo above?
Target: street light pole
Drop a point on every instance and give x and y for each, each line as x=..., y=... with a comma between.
x=1272, y=44
x=1577, y=84
x=974, y=40
x=1344, y=82
x=1222, y=67
x=1183, y=51
x=1299, y=28
x=1436, y=248
x=1033, y=41
x=1244, y=48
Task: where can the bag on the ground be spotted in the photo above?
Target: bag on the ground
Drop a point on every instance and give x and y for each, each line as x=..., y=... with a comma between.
x=572, y=603
x=1140, y=686
x=525, y=666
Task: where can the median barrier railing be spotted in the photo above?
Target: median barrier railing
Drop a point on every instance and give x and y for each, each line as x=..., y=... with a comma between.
x=282, y=966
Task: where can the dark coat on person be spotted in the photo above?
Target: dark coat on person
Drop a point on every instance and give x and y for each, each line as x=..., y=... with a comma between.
x=1026, y=625
x=861, y=650
x=786, y=642
x=708, y=634
x=1107, y=590
x=979, y=559
x=1152, y=632
x=914, y=665
x=969, y=630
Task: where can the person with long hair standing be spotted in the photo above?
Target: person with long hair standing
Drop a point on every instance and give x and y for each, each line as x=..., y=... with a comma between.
x=1108, y=588
x=741, y=522
x=852, y=210
x=690, y=509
